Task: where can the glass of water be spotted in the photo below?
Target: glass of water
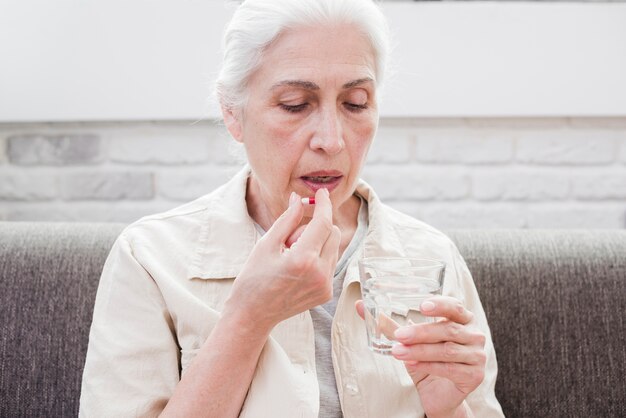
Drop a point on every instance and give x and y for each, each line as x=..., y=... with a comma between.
x=393, y=289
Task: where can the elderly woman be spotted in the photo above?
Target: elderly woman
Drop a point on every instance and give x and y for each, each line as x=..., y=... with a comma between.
x=245, y=302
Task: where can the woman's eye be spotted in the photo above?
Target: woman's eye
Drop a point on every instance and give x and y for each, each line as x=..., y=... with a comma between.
x=294, y=108
x=353, y=107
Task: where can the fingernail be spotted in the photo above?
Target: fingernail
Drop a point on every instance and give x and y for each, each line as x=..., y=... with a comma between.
x=399, y=350
x=427, y=306
x=293, y=199
x=402, y=333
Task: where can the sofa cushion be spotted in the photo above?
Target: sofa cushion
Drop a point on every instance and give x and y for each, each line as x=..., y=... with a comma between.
x=555, y=301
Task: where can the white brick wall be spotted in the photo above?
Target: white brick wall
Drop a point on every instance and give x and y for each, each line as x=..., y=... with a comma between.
x=623, y=151
x=27, y=186
x=452, y=173
x=187, y=184
x=563, y=146
x=468, y=146
x=510, y=183
x=3, y=149
x=107, y=185
x=54, y=149
x=157, y=145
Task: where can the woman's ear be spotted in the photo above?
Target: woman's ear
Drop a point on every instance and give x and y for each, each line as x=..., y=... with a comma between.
x=232, y=120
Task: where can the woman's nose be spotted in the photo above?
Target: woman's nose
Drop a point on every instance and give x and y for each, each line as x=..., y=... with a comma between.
x=328, y=135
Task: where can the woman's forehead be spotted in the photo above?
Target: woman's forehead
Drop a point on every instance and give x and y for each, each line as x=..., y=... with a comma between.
x=310, y=85
x=307, y=53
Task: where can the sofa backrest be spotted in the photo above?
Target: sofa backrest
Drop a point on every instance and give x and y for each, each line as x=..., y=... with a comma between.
x=555, y=301
x=48, y=278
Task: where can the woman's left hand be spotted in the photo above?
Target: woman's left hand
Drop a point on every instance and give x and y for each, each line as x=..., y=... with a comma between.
x=446, y=359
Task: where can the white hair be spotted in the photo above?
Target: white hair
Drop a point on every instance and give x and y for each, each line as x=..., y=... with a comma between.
x=256, y=23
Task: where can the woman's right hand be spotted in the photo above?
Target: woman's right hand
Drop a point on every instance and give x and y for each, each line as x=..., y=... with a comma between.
x=278, y=281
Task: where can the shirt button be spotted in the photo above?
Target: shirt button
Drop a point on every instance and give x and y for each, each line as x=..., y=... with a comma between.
x=352, y=388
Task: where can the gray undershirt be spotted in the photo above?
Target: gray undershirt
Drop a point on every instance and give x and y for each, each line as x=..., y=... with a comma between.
x=322, y=315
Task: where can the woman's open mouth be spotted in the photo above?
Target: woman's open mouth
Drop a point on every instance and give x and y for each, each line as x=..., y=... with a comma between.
x=322, y=180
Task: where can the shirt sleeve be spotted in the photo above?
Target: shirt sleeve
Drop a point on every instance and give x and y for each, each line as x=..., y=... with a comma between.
x=482, y=401
x=132, y=364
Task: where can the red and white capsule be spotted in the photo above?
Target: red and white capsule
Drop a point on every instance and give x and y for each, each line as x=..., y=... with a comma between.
x=308, y=200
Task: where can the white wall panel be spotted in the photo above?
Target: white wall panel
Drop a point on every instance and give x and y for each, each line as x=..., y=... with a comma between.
x=75, y=60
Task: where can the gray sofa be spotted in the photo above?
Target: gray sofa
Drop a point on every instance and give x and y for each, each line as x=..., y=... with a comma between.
x=556, y=302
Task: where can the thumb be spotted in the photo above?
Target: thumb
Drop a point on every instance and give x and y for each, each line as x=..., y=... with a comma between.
x=286, y=223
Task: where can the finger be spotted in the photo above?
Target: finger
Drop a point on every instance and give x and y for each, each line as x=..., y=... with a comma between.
x=360, y=308
x=446, y=307
x=319, y=228
x=448, y=352
x=465, y=377
x=285, y=225
x=294, y=236
x=330, y=250
x=323, y=204
x=439, y=332
x=416, y=375
x=385, y=326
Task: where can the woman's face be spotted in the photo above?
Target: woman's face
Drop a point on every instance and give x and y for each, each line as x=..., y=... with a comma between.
x=310, y=116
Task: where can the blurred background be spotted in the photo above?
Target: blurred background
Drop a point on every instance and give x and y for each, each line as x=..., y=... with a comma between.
x=501, y=114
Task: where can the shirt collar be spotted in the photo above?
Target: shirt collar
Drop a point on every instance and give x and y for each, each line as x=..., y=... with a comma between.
x=227, y=232
x=381, y=240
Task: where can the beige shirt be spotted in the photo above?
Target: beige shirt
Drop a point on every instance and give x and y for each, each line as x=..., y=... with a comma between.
x=165, y=282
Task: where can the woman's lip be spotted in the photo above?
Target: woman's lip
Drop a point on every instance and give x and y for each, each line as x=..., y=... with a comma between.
x=315, y=186
x=324, y=173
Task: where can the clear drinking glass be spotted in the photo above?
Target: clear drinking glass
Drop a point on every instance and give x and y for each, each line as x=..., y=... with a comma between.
x=393, y=289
